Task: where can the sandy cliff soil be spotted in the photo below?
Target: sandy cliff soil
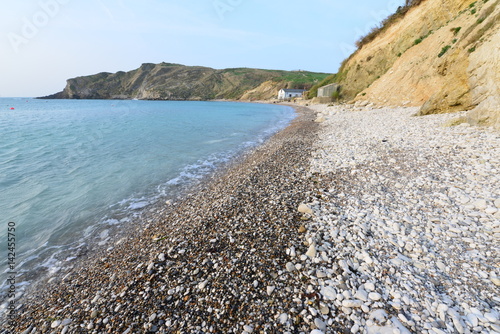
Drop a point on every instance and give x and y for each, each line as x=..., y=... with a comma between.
x=444, y=55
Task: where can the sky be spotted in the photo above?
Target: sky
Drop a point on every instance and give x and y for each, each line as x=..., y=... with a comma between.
x=45, y=42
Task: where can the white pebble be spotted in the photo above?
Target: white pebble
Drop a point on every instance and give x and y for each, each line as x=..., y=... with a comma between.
x=311, y=252
x=374, y=296
x=202, y=285
x=248, y=329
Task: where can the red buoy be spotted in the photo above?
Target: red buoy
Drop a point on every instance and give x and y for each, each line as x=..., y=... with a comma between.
x=12, y=108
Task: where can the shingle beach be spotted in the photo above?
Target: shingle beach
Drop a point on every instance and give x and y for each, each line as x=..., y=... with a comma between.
x=350, y=220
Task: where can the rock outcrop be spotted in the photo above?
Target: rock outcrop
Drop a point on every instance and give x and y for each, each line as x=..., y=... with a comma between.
x=178, y=82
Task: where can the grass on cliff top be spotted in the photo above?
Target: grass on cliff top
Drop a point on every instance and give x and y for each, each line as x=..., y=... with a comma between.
x=294, y=77
x=389, y=21
x=302, y=77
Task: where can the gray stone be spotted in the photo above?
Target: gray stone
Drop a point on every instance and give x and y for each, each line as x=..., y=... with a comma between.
x=320, y=324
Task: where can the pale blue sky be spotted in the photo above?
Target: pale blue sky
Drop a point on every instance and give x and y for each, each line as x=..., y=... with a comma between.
x=45, y=42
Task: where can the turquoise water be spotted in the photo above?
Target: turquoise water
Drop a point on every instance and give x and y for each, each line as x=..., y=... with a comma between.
x=68, y=166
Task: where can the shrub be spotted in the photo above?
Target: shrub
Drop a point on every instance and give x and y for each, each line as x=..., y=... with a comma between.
x=418, y=41
x=456, y=30
x=400, y=13
x=454, y=41
x=444, y=50
x=473, y=11
x=472, y=49
x=400, y=54
x=472, y=4
x=336, y=95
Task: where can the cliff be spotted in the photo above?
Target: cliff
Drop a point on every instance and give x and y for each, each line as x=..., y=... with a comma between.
x=178, y=82
x=441, y=55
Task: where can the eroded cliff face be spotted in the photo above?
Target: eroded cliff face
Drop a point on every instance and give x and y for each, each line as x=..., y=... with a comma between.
x=167, y=81
x=266, y=91
x=443, y=56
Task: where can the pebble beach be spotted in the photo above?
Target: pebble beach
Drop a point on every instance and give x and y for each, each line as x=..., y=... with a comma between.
x=351, y=220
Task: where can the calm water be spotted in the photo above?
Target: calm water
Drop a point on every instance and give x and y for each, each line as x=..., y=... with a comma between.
x=69, y=166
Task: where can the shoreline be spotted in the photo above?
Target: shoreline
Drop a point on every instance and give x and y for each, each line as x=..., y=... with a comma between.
x=350, y=220
x=149, y=250
x=115, y=221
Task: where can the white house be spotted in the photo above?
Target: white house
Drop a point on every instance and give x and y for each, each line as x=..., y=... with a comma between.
x=285, y=94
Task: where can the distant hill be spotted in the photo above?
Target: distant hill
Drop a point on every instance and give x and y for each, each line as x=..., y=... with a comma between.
x=440, y=55
x=167, y=81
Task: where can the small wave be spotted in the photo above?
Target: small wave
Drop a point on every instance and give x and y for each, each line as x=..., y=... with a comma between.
x=215, y=141
x=138, y=205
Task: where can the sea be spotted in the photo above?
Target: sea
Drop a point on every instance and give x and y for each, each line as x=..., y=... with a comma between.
x=70, y=168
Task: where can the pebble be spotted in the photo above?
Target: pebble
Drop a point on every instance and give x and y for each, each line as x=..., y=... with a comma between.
x=290, y=267
x=303, y=208
x=316, y=331
x=324, y=310
x=497, y=203
x=374, y=296
x=491, y=317
x=311, y=252
x=66, y=322
x=352, y=303
x=202, y=285
x=320, y=324
x=329, y=293
x=361, y=295
x=480, y=204
x=283, y=318
x=473, y=320
x=441, y=266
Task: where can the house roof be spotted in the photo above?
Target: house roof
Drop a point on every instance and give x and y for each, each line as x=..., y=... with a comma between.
x=330, y=85
x=293, y=90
